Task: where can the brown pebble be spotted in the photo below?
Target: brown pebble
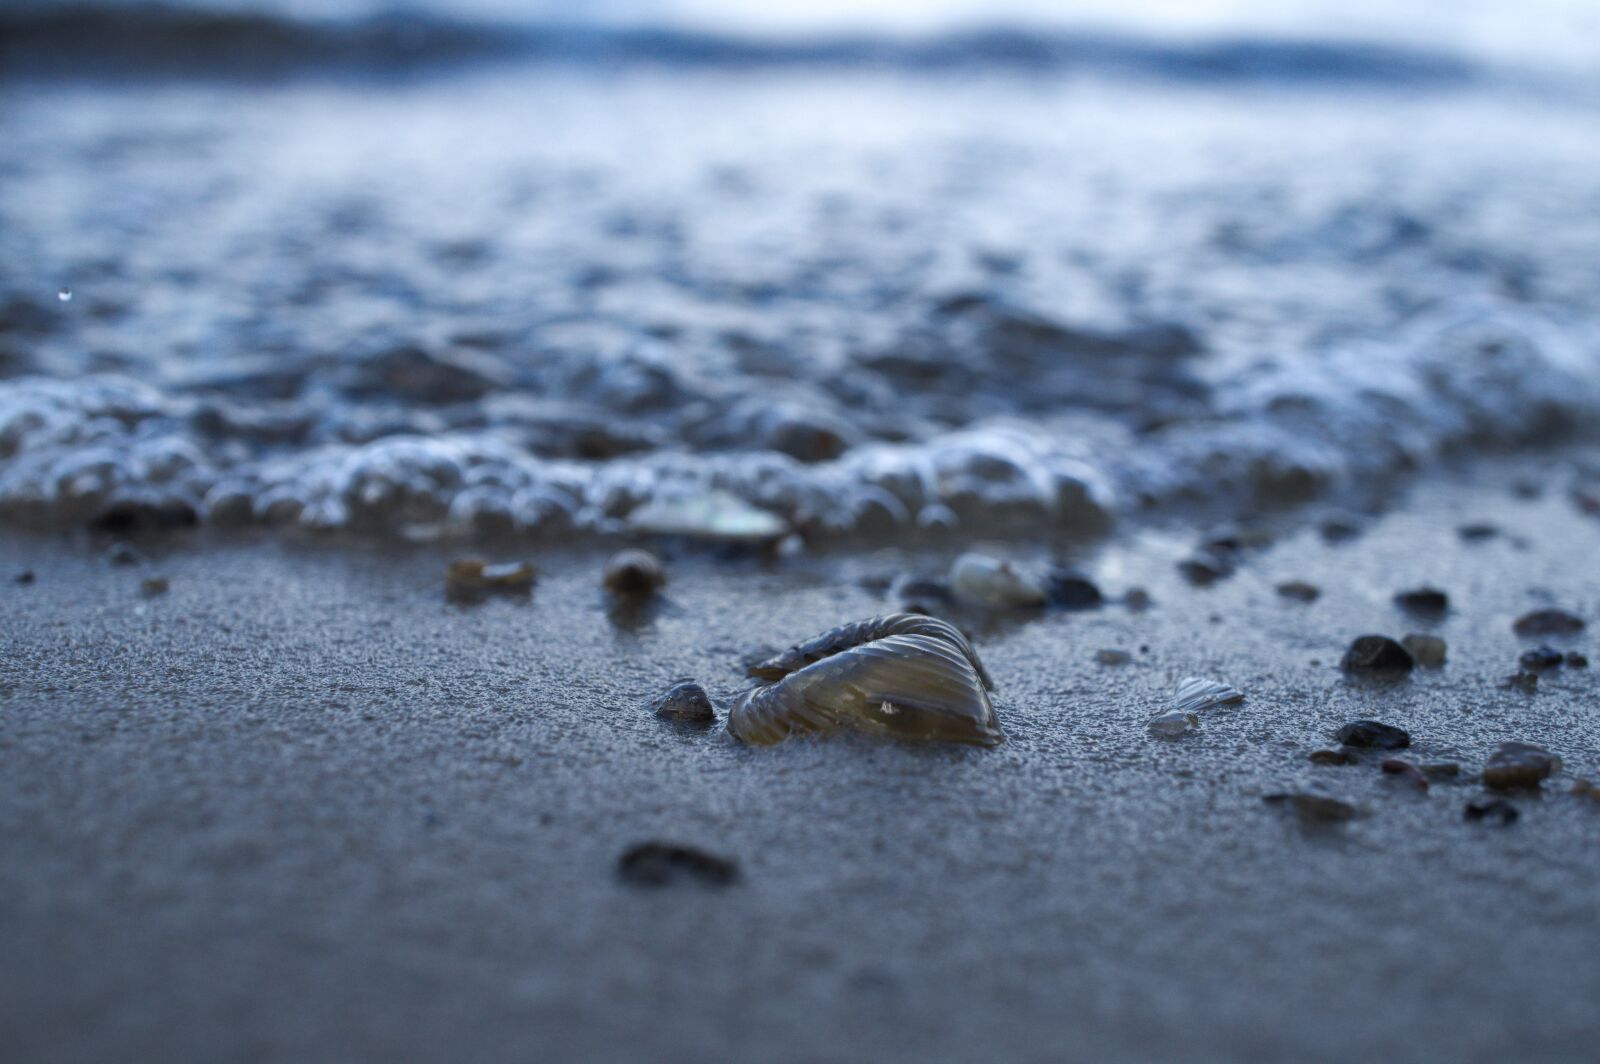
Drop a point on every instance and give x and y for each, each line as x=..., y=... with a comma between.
x=1514, y=765
x=153, y=586
x=1331, y=757
x=472, y=578
x=1299, y=591
x=1402, y=769
x=1313, y=809
x=633, y=573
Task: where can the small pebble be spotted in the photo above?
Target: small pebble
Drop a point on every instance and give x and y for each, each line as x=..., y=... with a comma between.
x=1496, y=811
x=686, y=703
x=1112, y=657
x=1514, y=765
x=633, y=573
x=1339, y=530
x=1584, y=789
x=1204, y=568
x=1427, y=601
x=657, y=864
x=1576, y=660
x=1173, y=723
x=1069, y=589
x=120, y=553
x=471, y=578
x=1477, y=532
x=1401, y=769
x=1371, y=735
x=1331, y=757
x=1136, y=599
x=1427, y=650
x=153, y=586
x=1441, y=770
x=24, y=578
x=1377, y=654
x=1524, y=681
x=980, y=580
x=1540, y=658
x=1548, y=622
x=1313, y=809
x=1299, y=591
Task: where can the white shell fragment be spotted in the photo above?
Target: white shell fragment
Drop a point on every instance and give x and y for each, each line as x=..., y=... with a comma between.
x=1173, y=723
x=980, y=580
x=715, y=514
x=903, y=675
x=1195, y=694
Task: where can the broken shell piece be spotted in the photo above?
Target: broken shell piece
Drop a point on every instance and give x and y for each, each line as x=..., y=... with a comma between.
x=1173, y=723
x=903, y=675
x=980, y=580
x=633, y=574
x=469, y=578
x=716, y=514
x=1196, y=694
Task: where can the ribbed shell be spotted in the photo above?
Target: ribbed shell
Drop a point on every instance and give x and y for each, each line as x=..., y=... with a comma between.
x=904, y=675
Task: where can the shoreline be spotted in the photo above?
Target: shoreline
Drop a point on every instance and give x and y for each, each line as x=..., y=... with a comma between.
x=301, y=806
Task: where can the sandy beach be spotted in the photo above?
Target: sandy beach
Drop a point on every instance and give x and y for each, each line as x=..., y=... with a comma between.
x=301, y=807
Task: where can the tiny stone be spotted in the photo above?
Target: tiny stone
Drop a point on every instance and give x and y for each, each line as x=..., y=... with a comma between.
x=472, y=578
x=1540, y=658
x=1071, y=590
x=1112, y=657
x=1400, y=768
x=1369, y=734
x=686, y=702
x=1584, y=789
x=1299, y=591
x=25, y=577
x=1423, y=600
x=120, y=553
x=1339, y=530
x=1204, y=568
x=1576, y=660
x=1331, y=757
x=1548, y=622
x=1524, y=681
x=1515, y=765
x=1136, y=599
x=657, y=864
x=1427, y=650
x=1478, y=532
x=1441, y=770
x=1173, y=723
x=1376, y=654
x=1313, y=809
x=1496, y=810
x=155, y=585
x=633, y=573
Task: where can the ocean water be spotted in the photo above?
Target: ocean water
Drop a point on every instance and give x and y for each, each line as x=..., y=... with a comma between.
x=872, y=269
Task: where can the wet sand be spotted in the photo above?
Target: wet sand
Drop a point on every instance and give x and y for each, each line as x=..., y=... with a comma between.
x=299, y=807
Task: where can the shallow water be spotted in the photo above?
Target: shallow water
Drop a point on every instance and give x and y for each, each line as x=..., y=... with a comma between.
x=864, y=291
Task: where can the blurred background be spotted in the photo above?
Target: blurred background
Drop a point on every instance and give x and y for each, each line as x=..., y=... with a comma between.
x=483, y=268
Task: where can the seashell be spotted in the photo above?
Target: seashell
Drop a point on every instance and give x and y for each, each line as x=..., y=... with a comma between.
x=902, y=675
x=980, y=580
x=1196, y=695
x=633, y=573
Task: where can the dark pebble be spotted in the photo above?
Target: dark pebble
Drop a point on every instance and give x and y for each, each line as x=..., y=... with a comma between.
x=1525, y=681
x=1205, y=568
x=657, y=864
x=1299, y=591
x=1540, y=658
x=1313, y=808
x=633, y=573
x=1477, y=533
x=1331, y=757
x=1496, y=811
x=1071, y=590
x=1548, y=622
x=1369, y=734
x=134, y=517
x=1423, y=600
x=25, y=578
x=123, y=554
x=1401, y=769
x=686, y=702
x=1339, y=530
x=1137, y=599
x=155, y=585
x=1377, y=654
x=1576, y=660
